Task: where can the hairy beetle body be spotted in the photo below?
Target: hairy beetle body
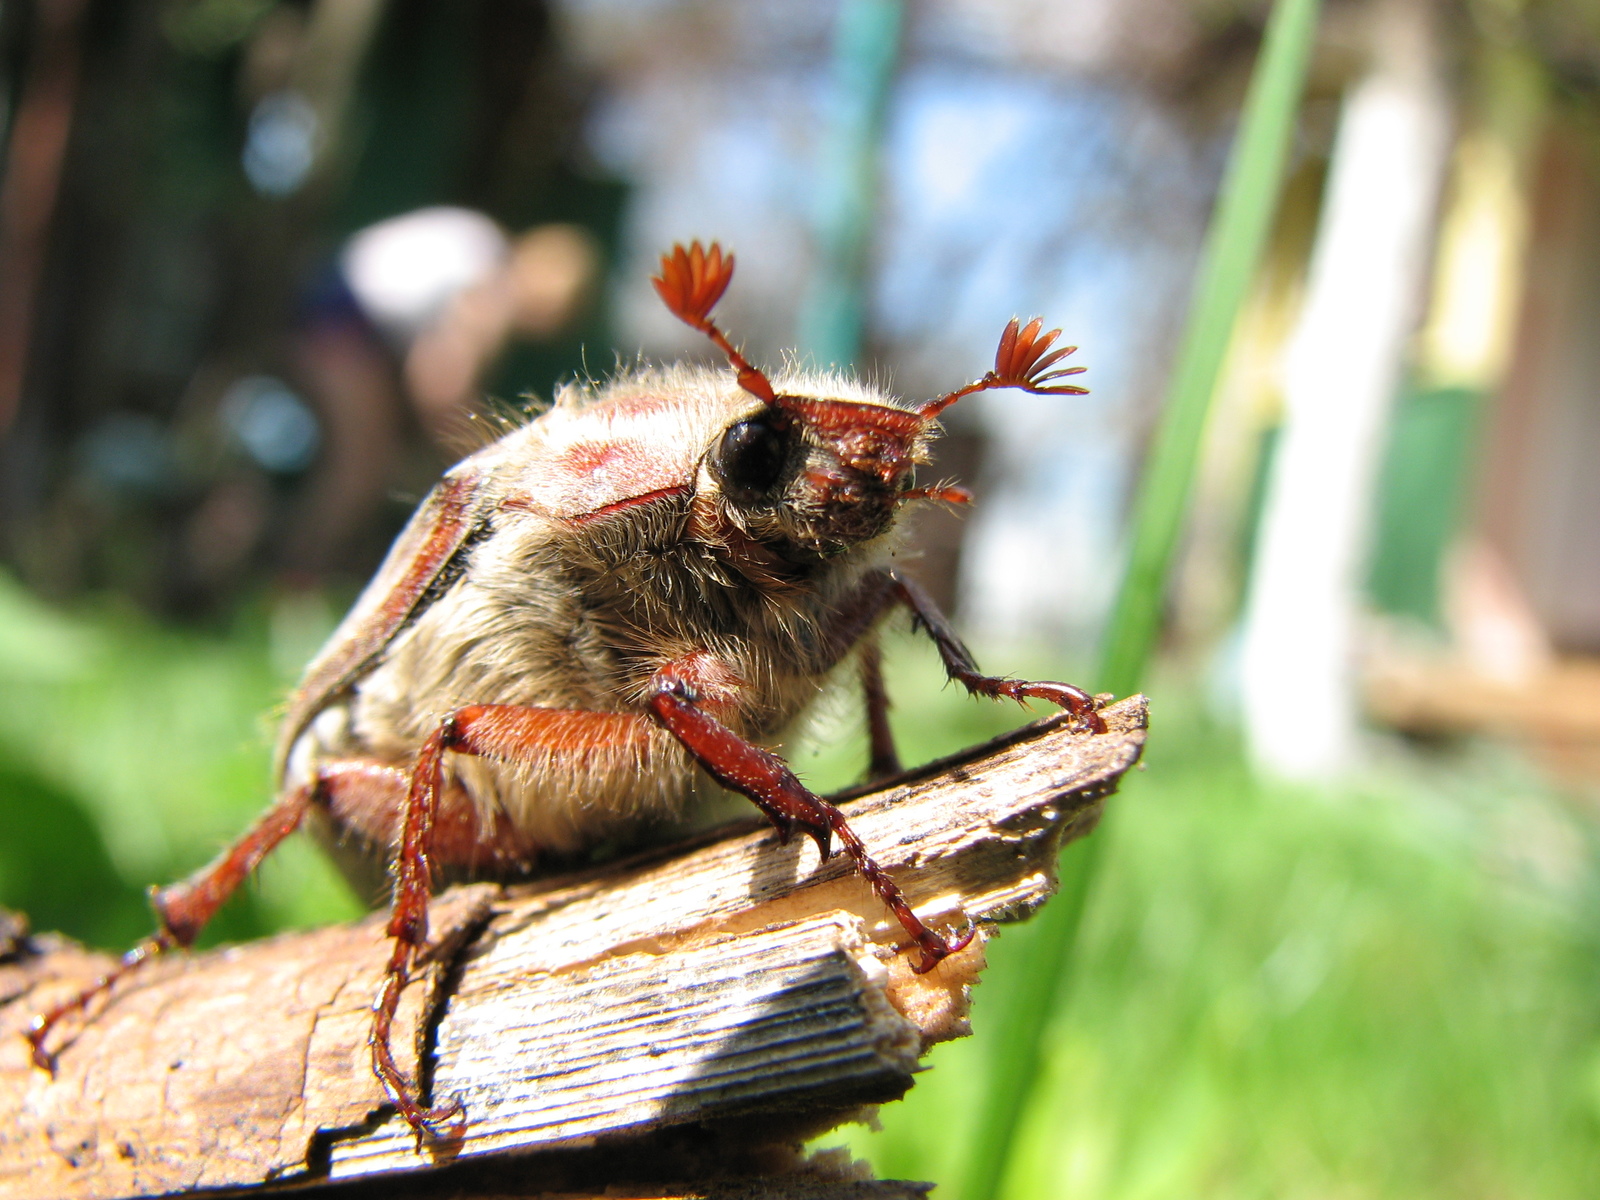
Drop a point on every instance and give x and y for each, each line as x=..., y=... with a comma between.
x=606, y=552
x=634, y=593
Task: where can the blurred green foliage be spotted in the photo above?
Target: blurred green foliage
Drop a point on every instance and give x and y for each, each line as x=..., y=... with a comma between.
x=130, y=753
x=1385, y=992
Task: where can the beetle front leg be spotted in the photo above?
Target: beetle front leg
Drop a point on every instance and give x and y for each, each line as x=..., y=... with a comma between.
x=767, y=781
x=182, y=910
x=959, y=664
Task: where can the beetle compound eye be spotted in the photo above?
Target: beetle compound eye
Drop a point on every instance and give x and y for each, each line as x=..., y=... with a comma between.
x=751, y=459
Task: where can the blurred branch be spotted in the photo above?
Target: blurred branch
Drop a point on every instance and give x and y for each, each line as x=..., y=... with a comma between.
x=36, y=150
x=723, y=1000
x=338, y=35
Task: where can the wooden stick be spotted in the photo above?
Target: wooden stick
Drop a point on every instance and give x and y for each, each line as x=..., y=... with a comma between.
x=733, y=982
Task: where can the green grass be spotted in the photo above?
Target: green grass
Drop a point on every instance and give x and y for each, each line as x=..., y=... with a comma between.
x=1390, y=991
x=1394, y=992
x=1387, y=993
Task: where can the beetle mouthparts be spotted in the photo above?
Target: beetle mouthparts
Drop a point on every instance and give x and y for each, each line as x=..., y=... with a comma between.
x=948, y=493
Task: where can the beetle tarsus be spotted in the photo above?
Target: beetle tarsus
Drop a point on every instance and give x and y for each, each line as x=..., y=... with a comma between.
x=42, y=1024
x=891, y=586
x=444, y=1122
x=935, y=949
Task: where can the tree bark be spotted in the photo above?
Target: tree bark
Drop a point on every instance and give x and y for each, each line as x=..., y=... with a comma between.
x=686, y=1014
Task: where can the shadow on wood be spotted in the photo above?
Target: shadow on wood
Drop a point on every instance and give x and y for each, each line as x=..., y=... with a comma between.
x=689, y=1013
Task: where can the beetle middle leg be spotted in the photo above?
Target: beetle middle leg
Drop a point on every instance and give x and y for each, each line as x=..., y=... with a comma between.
x=880, y=589
x=504, y=732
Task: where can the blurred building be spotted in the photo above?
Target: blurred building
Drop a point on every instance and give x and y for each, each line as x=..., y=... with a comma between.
x=1427, y=537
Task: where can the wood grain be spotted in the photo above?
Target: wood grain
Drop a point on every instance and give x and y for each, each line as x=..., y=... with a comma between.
x=733, y=979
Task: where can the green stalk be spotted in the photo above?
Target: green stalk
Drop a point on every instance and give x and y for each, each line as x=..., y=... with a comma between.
x=866, y=50
x=1233, y=246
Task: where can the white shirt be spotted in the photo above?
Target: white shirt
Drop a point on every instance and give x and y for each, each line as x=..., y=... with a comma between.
x=405, y=271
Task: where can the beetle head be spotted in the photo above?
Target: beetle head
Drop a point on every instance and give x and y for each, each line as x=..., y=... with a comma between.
x=813, y=475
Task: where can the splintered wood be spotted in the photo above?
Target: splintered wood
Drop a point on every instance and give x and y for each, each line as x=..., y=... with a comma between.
x=696, y=985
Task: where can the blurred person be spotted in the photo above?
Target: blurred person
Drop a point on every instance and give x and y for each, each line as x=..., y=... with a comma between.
x=404, y=325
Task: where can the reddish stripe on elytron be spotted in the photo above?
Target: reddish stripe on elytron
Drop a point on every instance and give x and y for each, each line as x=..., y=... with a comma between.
x=453, y=504
x=584, y=458
x=524, y=504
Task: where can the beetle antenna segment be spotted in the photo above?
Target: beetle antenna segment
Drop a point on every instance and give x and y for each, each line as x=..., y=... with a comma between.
x=1020, y=361
x=690, y=284
x=949, y=493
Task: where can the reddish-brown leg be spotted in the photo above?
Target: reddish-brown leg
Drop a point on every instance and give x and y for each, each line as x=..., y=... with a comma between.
x=767, y=781
x=885, y=758
x=183, y=910
x=499, y=731
x=880, y=589
x=408, y=927
x=958, y=661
